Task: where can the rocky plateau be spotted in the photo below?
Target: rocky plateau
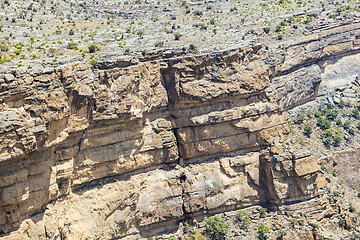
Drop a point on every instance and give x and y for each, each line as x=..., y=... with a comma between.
x=145, y=146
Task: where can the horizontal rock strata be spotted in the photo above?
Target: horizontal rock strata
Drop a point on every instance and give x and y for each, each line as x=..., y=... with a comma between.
x=131, y=149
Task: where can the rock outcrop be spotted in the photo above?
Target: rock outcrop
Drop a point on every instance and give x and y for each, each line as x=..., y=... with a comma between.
x=130, y=151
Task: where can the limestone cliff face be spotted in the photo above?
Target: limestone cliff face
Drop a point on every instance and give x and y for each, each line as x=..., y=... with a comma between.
x=134, y=147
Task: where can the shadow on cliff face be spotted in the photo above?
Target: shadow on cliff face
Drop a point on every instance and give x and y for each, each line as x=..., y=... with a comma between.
x=29, y=185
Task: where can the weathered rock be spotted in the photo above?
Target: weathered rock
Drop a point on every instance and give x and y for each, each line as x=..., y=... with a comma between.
x=88, y=153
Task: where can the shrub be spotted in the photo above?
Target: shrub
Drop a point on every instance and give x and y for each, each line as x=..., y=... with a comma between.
x=309, y=114
x=72, y=46
x=337, y=139
x=301, y=141
x=94, y=63
x=197, y=236
x=307, y=130
x=198, y=13
x=328, y=132
x=339, y=122
x=262, y=231
x=177, y=36
x=291, y=127
x=4, y=48
x=351, y=131
x=301, y=117
x=186, y=227
x=243, y=218
x=330, y=105
x=266, y=29
x=323, y=123
x=216, y=227
x=355, y=113
x=347, y=124
x=332, y=114
x=328, y=141
x=280, y=37
x=192, y=47
x=93, y=48
x=318, y=114
x=262, y=212
x=240, y=214
x=140, y=34
x=336, y=194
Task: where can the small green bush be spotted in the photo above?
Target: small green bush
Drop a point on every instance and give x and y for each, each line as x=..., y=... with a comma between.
x=328, y=132
x=323, y=123
x=337, y=139
x=332, y=114
x=192, y=47
x=291, y=127
x=307, y=130
x=355, y=113
x=266, y=29
x=262, y=212
x=243, y=218
x=347, y=124
x=197, y=236
x=328, y=141
x=198, y=13
x=93, y=48
x=177, y=36
x=351, y=131
x=262, y=231
x=216, y=227
x=339, y=122
x=318, y=114
x=330, y=105
x=95, y=63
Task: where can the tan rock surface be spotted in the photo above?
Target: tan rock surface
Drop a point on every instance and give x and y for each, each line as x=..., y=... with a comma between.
x=130, y=151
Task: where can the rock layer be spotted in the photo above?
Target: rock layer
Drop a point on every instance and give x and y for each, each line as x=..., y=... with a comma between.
x=131, y=149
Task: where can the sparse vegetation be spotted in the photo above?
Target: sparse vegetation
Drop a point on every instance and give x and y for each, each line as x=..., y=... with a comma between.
x=216, y=227
x=263, y=231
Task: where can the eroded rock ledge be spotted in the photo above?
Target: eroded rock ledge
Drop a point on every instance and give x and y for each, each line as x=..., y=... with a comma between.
x=130, y=151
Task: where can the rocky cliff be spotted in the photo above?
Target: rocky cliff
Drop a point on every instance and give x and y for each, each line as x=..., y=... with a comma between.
x=135, y=146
